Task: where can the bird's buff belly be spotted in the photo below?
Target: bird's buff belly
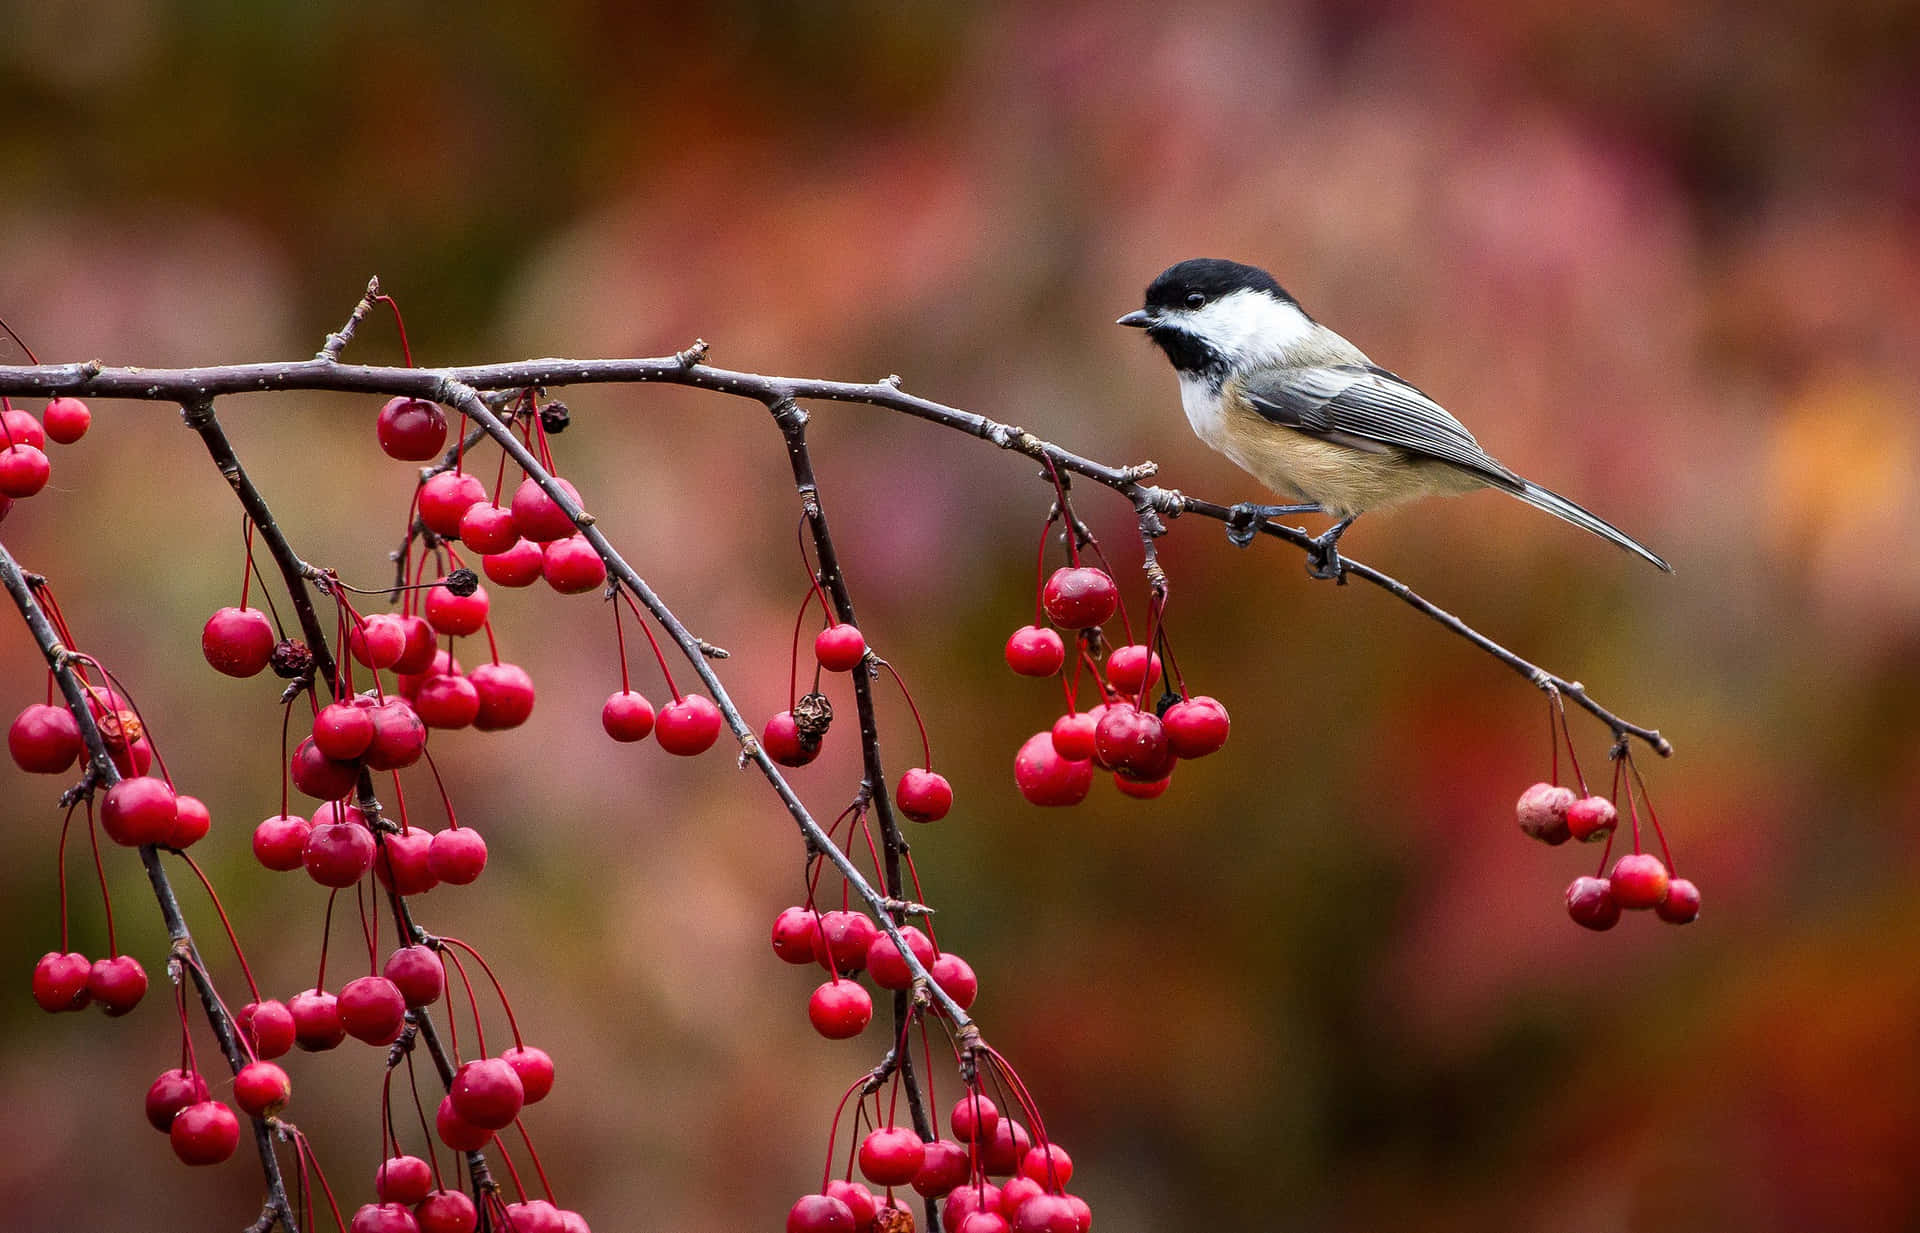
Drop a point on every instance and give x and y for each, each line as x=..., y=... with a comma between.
x=1340, y=479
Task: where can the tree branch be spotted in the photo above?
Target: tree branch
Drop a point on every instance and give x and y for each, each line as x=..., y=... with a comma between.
x=101, y=771
x=195, y=384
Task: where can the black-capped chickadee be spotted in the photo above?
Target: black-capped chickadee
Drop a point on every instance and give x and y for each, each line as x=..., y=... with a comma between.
x=1305, y=412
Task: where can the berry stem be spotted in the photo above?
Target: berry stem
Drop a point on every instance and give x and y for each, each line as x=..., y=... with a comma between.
x=533, y=1155
x=473, y=1003
x=100, y=872
x=60, y=867
x=1659, y=833
x=620, y=636
x=499, y=991
x=652, y=642
x=926, y=748
x=433, y=1156
x=221, y=910
x=326, y=935
x=400, y=324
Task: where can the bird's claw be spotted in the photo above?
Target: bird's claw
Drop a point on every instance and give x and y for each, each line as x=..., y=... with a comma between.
x=1323, y=558
x=1243, y=523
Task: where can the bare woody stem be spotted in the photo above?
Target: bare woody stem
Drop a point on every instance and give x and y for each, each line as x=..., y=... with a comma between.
x=792, y=422
x=190, y=385
x=296, y=574
x=100, y=770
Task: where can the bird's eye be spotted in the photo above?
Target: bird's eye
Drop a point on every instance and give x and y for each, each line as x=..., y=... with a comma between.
x=1195, y=299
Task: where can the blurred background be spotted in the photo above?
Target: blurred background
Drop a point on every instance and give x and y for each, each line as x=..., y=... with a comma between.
x=1662, y=257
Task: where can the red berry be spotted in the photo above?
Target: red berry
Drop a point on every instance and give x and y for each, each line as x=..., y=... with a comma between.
x=132, y=760
x=1591, y=818
x=516, y=566
x=117, y=984
x=487, y=1093
x=1079, y=597
x=280, y=842
x=457, y=1132
x=534, y=1216
x=1132, y=668
x=538, y=517
x=1049, y=1165
x=319, y=776
x=261, y=1088
x=571, y=566
x=456, y=615
x=1196, y=727
x=416, y=655
x=781, y=739
x=944, y=1168
x=1082, y=1214
x=1140, y=789
x=840, y=648
x=1133, y=742
x=1639, y=880
x=44, y=740
x=818, y=1213
x=60, y=981
x=411, y=429
x=338, y=854
x=973, y=1199
x=403, y=1179
x=1015, y=1192
x=847, y=936
x=1045, y=1213
x=1002, y=1152
x=859, y=1201
x=372, y=1010
x=794, y=931
x=138, y=811
x=457, y=855
x=24, y=470
x=67, y=420
x=446, y=498
x=688, y=726
x=268, y=1026
x=204, y=1133
x=1033, y=650
x=173, y=1091
x=402, y=861
x=506, y=696
x=840, y=1009
x=387, y=1218
x=342, y=731
x=399, y=736
x=955, y=977
x=979, y=1221
x=535, y=1069
x=238, y=641
x=379, y=641
x=316, y=1020
x=1542, y=812
x=973, y=1113
x=1590, y=903
x=1682, y=904
x=924, y=795
x=447, y=1211
x=22, y=429
x=416, y=972
x=884, y=961
x=1073, y=734
x=487, y=528
x=447, y=702
x=1046, y=778
x=892, y=1156
x=440, y=663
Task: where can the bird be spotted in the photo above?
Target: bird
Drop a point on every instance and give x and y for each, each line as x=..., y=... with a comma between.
x=1306, y=413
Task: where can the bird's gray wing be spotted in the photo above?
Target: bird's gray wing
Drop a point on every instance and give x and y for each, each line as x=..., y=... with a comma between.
x=1370, y=409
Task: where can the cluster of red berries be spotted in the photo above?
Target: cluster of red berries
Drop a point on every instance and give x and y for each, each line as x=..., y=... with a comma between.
x=1120, y=733
x=24, y=465
x=1553, y=814
x=1032, y=1198
x=70, y=981
x=847, y=943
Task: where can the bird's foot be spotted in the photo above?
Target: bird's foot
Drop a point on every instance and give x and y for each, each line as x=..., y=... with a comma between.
x=1244, y=519
x=1323, y=559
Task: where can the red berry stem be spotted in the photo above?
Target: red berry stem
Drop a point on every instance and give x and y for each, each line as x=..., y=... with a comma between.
x=100, y=872
x=399, y=802
x=246, y=571
x=433, y=1155
x=60, y=859
x=520, y=1190
x=304, y=1148
x=399, y=324
x=286, y=721
x=920, y=896
x=326, y=935
x=193, y=961
x=1012, y=1077
x=445, y=800
x=512, y=1023
x=19, y=342
x=652, y=642
x=1660, y=834
x=833, y=1128
x=1173, y=665
x=1040, y=572
x=926, y=748
x=793, y=661
x=1064, y=508
x=534, y=1156
x=188, y=1061
x=369, y=928
x=119, y=687
x=227, y=924
x=473, y=1003
x=620, y=636
x=500, y=475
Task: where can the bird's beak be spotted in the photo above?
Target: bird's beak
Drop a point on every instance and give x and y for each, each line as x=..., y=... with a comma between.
x=1139, y=319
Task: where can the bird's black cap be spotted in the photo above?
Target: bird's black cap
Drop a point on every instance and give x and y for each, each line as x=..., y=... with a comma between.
x=1211, y=277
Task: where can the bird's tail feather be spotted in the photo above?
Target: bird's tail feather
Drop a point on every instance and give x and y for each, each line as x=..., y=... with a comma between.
x=1557, y=505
